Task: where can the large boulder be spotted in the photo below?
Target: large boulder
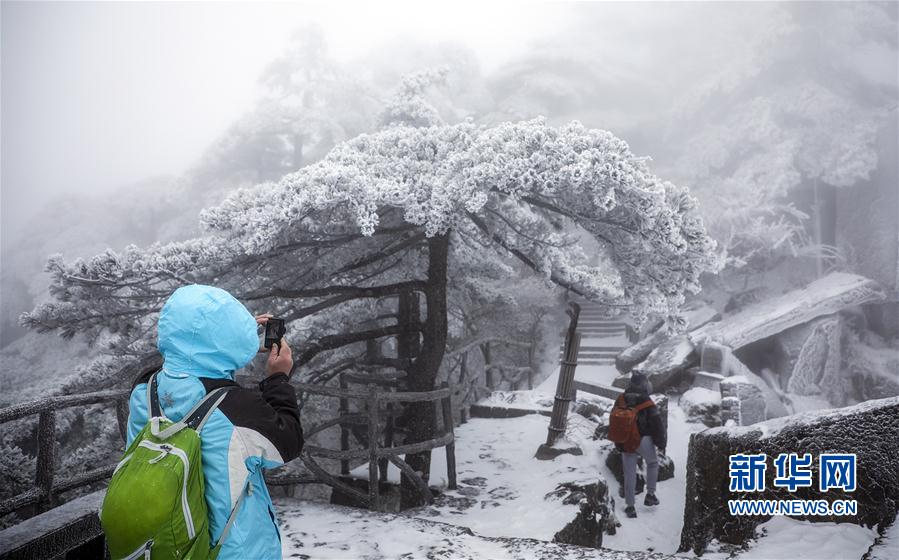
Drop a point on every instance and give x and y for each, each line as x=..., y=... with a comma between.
x=633, y=355
x=668, y=363
x=870, y=430
x=824, y=296
x=873, y=371
x=695, y=314
x=596, y=512
x=751, y=406
x=737, y=380
x=701, y=404
x=817, y=367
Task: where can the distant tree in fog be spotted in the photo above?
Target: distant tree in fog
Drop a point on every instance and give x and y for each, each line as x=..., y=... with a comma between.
x=768, y=139
x=309, y=103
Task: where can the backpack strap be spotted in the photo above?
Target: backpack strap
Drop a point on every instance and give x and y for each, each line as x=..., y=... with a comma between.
x=153, y=396
x=196, y=417
x=644, y=405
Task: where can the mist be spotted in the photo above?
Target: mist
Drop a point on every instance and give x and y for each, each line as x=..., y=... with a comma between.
x=100, y=95
x=525, y=216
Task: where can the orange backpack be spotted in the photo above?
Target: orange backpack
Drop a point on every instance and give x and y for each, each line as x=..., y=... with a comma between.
x=623, y=424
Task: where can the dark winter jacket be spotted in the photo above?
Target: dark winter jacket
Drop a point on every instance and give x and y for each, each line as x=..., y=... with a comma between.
x=649, y=421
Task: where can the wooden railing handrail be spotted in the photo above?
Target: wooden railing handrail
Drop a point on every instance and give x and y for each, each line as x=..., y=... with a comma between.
x=45, y=484
x=22, y=410
x=46, y=487
x=399, y=396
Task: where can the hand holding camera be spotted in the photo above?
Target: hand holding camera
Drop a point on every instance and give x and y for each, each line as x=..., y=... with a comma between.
x=280, y=359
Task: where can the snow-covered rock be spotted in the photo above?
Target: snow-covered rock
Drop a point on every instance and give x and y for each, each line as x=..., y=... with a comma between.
x=873, y=371
x=695, y=315
x=824, y=296
x=665, y=364
x=702, y=405
x=751, y=407
x=639, y=351
x=596, y=515
x=870, y=430
x=817, y=366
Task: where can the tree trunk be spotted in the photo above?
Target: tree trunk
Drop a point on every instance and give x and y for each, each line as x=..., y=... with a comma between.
x=408, y=315
x=423, y=373
x=488, y=369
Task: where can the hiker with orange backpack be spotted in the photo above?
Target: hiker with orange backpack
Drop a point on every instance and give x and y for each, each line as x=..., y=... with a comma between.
x=636, y=427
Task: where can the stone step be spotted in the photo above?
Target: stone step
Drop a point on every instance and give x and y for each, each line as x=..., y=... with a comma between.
x=598, y=355
x=587, y=348
x=595, y=362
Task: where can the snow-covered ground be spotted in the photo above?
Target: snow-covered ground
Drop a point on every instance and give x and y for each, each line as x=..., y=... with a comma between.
x=502, y=487
x=783, y=538
x=326, y=532
x=501, y=503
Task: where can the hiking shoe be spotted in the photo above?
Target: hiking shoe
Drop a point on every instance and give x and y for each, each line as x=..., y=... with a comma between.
x=650, y=500
x=630, y=511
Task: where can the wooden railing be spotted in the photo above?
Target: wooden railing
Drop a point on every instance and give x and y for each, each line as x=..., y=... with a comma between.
x=378, y=456
x=46, y=486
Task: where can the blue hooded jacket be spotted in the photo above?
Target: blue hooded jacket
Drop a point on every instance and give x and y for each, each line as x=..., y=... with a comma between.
x=205, y=335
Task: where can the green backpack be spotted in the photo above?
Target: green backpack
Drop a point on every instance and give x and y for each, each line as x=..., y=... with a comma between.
x=155, y=506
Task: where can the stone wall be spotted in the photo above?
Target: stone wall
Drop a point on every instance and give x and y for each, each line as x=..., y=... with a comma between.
x=870, y=430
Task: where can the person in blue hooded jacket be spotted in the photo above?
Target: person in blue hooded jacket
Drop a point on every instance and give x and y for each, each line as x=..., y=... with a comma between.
x=205, y=335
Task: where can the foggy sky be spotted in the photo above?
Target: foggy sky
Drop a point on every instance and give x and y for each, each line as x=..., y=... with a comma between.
x=99, y=95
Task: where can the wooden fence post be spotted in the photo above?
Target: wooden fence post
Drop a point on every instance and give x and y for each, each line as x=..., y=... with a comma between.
x=388, y=441
x=373, y=479
x=342, y=410
x=447, y=403
x=559, y=417
x=46, y=457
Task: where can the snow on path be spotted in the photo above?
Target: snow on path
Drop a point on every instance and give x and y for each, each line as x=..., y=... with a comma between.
x=326, y=532
x=658, y=528
x=502, y=498
x=502, y=487
x=603, y=375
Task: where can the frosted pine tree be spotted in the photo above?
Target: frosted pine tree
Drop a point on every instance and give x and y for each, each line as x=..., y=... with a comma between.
x=402, y=215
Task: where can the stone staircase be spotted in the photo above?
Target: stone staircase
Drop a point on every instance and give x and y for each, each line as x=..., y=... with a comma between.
x=601, y=340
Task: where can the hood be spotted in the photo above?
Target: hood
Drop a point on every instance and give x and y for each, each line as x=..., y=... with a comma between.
x=204, y=331
x=639, y=384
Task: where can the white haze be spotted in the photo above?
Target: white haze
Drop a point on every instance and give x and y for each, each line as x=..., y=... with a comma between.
x=99, y=95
